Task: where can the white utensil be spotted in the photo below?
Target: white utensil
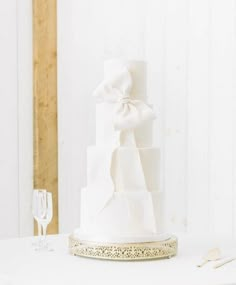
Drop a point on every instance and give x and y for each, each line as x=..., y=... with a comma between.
x=212, y=255
x=219, y=264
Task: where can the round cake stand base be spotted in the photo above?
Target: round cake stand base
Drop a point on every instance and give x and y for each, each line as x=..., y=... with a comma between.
x=124, y=251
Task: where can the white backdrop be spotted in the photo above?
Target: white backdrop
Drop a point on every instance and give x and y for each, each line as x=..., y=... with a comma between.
x=16, y=144
x=189, y=46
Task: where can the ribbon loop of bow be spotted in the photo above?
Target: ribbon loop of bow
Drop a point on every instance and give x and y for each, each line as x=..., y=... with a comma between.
x=129, y=113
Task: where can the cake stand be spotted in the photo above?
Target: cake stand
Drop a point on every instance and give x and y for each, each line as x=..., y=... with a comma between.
x=130, y=251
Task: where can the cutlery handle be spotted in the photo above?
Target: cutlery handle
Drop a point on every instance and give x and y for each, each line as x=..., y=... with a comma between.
x=203, y=263
x=224, y=262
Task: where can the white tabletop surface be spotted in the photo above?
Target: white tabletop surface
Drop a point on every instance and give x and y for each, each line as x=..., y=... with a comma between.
x=21, y=264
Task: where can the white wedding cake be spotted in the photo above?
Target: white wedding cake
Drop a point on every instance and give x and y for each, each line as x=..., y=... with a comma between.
x=123, y=201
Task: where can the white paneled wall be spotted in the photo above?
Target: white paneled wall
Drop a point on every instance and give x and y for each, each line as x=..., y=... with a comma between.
x=175, y=115
x=221, y=76
x=198, y=116
x=190, y=47
x=8, y=122
x=16, y=145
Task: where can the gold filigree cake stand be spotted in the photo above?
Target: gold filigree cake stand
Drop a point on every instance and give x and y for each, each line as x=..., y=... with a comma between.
x=127, y=252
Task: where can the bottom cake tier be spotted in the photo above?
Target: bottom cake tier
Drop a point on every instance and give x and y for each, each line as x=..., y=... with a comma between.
x=128, y=216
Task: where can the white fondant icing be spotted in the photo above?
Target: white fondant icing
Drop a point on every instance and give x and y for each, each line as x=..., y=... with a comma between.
x=137, y=70
x=128, y=114
x=127, y=171
x=126, y=214
x=102, y=238
x=105, y=131
x=122, y=200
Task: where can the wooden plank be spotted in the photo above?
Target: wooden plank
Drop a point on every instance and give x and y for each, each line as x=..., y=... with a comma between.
x=198, y=117
x=45, y=101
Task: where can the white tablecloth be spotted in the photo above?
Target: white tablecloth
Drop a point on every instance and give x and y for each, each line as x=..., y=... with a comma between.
x=21, y=264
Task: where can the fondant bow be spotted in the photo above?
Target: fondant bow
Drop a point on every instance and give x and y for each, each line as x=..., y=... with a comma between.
x=129, y=113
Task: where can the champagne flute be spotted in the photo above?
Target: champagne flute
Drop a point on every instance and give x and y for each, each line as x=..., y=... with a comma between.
x=45, y=214
x=35, y=210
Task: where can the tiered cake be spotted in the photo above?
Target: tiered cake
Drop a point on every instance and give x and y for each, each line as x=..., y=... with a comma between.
x=123, y=202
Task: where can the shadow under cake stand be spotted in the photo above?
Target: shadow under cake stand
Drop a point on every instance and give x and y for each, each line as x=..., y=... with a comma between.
x=164, y=246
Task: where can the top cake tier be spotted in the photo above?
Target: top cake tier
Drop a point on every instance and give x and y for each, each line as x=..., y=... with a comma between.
x=137, y=70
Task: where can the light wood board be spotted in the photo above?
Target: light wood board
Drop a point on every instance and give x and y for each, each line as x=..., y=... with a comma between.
x=45, y=101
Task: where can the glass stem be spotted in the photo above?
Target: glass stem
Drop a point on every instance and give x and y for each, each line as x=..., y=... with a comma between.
x=44, y=226
x=39, y=229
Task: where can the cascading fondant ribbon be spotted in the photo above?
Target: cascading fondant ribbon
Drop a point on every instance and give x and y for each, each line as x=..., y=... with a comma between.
x=129, y=114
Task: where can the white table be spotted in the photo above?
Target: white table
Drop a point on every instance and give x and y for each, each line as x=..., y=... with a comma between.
x=21, y=264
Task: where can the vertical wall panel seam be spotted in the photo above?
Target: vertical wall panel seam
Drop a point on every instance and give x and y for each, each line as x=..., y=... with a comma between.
x=208, y=120
x=186, y=47
x=233, y=126
x=163, y=140
x=18, y=117
x=187, y=114
x=211, y=226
